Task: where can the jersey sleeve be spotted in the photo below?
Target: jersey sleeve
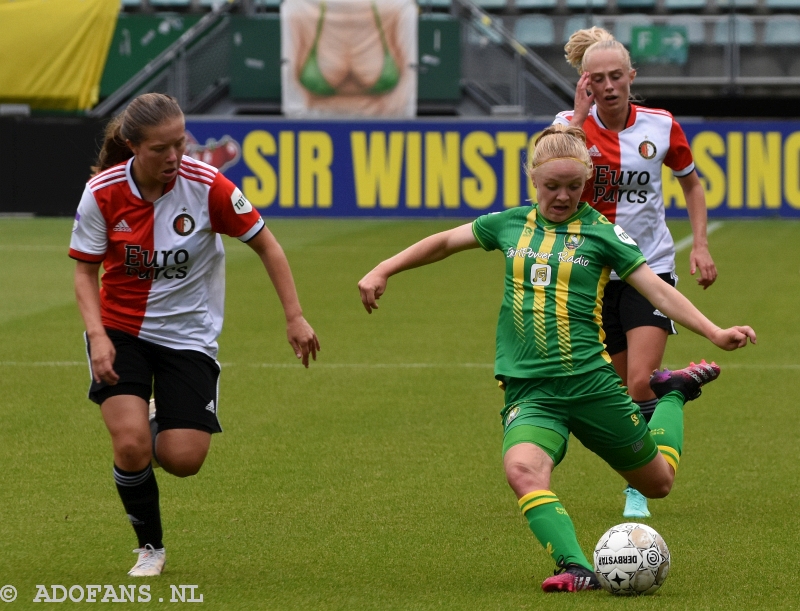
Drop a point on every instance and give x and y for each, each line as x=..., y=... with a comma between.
x=679, y=157
x=563, y=118
x=622, y=252
x=486, y=229
x=230, y=211
x=89, y=240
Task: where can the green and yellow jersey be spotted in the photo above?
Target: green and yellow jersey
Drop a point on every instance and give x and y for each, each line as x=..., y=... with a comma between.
x=550, y=322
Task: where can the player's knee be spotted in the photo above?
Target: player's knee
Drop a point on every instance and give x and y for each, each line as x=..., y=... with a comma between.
x=184, y=470
x=522, y=476
x=182, y=465
x=131, y=454
x=639, y=387
x=658, y=489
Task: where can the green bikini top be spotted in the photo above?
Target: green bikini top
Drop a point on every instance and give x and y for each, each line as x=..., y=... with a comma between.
x=313, y=80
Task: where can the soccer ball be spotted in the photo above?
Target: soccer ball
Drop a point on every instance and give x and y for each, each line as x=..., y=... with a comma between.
x=631, y=559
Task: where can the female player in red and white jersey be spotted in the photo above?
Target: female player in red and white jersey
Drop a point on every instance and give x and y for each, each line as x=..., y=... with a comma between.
x=153, y=218
x=629, y=144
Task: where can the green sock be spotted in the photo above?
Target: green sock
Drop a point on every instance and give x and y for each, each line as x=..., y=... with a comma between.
x=666, y=427
x=553, y=527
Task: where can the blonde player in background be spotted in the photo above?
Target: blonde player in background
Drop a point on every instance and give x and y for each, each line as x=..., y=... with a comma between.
x=628, y=144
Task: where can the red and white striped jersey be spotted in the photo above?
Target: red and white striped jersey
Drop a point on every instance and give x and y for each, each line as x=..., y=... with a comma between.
x=164, y=265
x=626, y=185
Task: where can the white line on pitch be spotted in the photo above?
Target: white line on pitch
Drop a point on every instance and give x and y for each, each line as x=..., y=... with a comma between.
x=34, y=248
x=375, y=365
x=43, y=364
x=754, y=366
x=686, y=242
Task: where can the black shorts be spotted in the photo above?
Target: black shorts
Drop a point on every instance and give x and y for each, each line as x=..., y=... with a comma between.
x=624, y=309
x=184, y=383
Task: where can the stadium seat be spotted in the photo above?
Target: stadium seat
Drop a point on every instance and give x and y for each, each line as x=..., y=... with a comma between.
x=744, y=31
x=695, y=28
x=624, y=23
x=170, y=3
x=491, y=4
x=782, y=30
x=478, y=34
x=536, y=4
x=740, y=4
x=575, y=5
x=578, y=22
x=423, y=4
x=535, y=30
x=640, y=5
x=773, y=5
x=685, y=5
x=131, y=3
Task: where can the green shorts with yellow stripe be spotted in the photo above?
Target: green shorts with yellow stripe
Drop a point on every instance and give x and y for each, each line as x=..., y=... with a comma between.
x=593, y=406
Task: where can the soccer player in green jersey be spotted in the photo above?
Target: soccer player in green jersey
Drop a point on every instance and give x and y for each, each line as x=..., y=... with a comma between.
x=550, y=356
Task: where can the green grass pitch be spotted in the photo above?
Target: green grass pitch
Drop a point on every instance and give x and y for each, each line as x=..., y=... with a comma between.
x=373, y=480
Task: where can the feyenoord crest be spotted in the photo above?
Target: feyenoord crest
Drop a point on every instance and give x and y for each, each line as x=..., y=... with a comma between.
x=647, y=149
x=183, y=224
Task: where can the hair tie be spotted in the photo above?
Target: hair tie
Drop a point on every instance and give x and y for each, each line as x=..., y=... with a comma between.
x=588, y=165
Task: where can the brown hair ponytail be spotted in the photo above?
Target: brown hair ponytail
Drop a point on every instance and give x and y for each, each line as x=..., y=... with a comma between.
x=146, y=110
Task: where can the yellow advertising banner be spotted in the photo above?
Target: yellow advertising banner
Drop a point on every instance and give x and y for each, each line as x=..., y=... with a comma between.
x=53, y=51
x=462, y=168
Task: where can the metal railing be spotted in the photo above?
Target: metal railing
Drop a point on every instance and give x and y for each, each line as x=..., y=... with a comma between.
x=503, y=76
x=194, y=69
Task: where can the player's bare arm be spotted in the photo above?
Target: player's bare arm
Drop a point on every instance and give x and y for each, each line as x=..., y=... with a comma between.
x=428, y=250
x=87, y=291
x=584, y=98
x=700, y=257
x=672, y=303
x=301, y=336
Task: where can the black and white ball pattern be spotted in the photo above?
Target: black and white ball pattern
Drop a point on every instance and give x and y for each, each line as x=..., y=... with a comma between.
x=631, y=559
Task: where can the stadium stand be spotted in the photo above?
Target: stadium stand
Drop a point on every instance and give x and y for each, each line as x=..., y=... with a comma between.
x=761, y=47
x=685, y=5
x=535, y=30
x=636, y=5
x=695, y=28
x=782, y=30
x=773, y=5
x=535, y=5
x=581, y=5
x=744, y=32
x=624, y=23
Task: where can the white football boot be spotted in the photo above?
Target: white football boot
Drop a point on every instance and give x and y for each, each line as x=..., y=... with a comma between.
x=151, y=562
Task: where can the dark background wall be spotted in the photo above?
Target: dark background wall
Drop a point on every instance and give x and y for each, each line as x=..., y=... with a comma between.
x=45, y=163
